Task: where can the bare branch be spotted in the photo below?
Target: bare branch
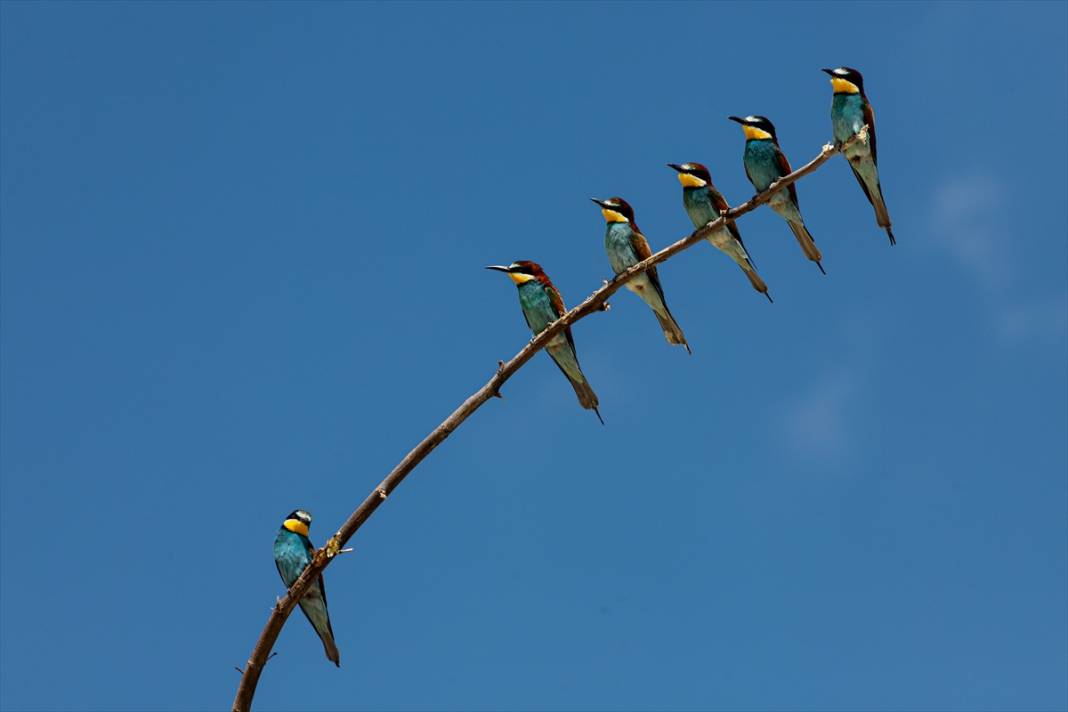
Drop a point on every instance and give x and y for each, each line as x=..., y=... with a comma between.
x=597, y=301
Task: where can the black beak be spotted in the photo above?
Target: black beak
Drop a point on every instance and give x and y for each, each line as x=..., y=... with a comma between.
x=599, y=202
x=499, y=268
x=676, y=166
x=828, y=71
x=737, y=120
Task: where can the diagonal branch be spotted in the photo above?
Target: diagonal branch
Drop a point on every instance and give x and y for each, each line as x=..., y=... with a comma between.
x=505, y=370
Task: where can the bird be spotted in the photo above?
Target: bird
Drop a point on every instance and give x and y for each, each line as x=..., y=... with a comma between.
x=626, y=246
x=293, y=551
x=850, y=112
x=765, y=163
x=703, y=204
x=542, y=305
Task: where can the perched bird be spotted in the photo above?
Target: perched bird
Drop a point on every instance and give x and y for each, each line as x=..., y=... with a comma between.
x=293, y=552
x=850, y=111
x=765, y=163
x=542, y=305
x=626, y=246
x=703, y=204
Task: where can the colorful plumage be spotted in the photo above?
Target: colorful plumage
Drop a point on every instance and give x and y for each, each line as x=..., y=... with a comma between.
x=850, y=112
x=765, y=163
x=293, y=551
x=626, y=246
x=542, y=305
x=703, y=203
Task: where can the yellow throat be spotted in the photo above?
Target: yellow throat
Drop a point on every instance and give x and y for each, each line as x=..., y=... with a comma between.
x=519, y=278
x=296, y=526
x=753, y=132
x=844, y=86
x=613, y=216
x=690, y=181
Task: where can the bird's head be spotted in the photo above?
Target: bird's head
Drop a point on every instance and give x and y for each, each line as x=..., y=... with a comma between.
x=521, y=271
x=692, y=175
x=298, y=522
x=846, y=80
x=615, y=210
x=755, y=127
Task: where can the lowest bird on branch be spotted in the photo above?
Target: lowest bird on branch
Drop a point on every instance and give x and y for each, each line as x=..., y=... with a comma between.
x=850, y=112
x=626, y=247
x=293, y=551
x=703, y=204
x=542, y=305
x=765, y=163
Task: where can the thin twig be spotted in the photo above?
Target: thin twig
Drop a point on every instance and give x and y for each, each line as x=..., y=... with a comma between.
x=598, y=301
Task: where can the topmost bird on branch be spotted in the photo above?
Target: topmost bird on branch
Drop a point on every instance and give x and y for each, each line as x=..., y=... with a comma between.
x=850, y=112
x=765, y=163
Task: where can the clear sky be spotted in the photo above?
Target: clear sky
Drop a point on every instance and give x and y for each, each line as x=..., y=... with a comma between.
x=242, y=251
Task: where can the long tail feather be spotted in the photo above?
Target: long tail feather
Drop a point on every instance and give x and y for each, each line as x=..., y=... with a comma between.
x=314, y=607
x=565, y=360
x=672, y=330
x=875, y=197
x=758, y=283
x=586, y=397
x=331, y=651
x=808, y=245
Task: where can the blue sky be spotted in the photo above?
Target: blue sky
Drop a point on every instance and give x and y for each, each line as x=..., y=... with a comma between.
x=241, y=261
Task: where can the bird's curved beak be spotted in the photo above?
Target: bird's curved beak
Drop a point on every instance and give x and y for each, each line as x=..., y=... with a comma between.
x=676, y=166
x=598, y=201
x=828, y=71
x=499, y=268
x=737, y=120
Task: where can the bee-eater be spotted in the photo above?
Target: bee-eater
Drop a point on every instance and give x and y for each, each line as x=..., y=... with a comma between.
x=765, y=163
x=293, y=552
x=626, y=246
x=850, y=111
x=703, y=204
x=542, y=305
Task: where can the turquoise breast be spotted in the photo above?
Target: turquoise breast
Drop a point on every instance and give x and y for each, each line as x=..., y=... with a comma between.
x=761, y=163
x=699, y=206
x=847, y=115
x=618, y=246
x=291, y=554
x=536, y=305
